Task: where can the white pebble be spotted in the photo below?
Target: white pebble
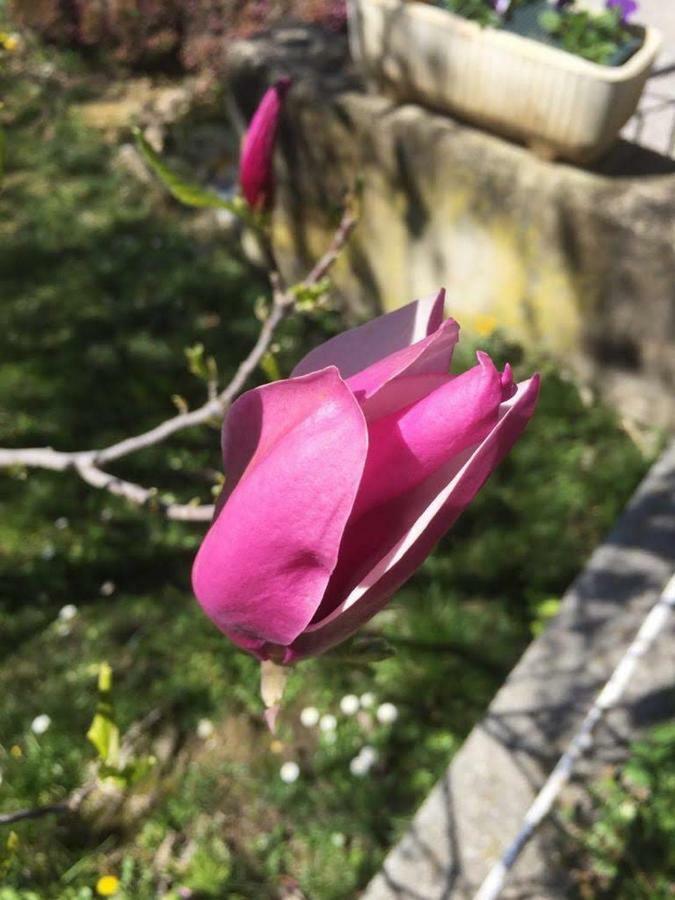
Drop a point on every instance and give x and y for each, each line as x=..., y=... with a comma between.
x=328, y=722
x=40, y=724
x=367, y=700
x=309, y=716
x=386, y=713
x=289, y=772
x=204, y=728
x=68, y=612
x=369, y=754
x=349, y=704
x=359, y=766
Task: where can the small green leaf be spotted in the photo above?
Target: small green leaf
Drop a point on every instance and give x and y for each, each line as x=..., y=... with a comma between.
x=270, y=367
x=184, y=191
x=550, y=21
x=103, y=732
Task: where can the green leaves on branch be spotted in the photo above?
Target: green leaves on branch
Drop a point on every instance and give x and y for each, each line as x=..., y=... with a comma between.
x=184, y=191
x=203, y=367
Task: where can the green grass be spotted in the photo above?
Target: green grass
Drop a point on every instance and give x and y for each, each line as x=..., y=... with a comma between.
x=624, y=833
x=105, y=283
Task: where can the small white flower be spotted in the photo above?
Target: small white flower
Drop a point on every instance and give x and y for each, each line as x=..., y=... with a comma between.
x=309, y=716
x=40, y=724
x=106, y=514
x=328, y=722
x=359, y=766
x=329, y=737
x=204, y=728
x=289, y=772
x=349, y=704
x=386, y=713
x=61, y=523
x=337, y=839
x=369, y=754
x=48, y=552
x=108, y=588
x=367, y=700
x=68, y=612
x=62, y=629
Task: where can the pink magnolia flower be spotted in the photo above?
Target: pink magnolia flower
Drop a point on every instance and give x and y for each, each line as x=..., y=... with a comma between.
x=342, y=478
x=256, y=169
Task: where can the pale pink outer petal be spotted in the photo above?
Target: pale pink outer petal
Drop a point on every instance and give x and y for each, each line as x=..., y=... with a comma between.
x=264, y=565
x=454, y=489
x=407, y=449
x=420, y=367
x=357, y=349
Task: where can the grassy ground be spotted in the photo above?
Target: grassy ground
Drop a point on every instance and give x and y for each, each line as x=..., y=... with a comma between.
x=104, y=283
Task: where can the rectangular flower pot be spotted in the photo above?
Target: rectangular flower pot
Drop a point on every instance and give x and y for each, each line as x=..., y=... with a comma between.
x=556, y=102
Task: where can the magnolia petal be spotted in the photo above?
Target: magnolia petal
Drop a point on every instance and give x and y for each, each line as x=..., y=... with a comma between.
x=357, y=349
x=264, y=565
x=444, y=502
x=377, y=388
x=405, y=450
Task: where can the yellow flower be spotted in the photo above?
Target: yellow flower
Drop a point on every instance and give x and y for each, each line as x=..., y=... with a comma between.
x=9, y=42
x=107, y=885
x=16, y=751
x=485, y=324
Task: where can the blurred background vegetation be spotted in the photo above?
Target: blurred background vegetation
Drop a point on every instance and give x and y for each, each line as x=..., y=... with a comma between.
x=105, y=283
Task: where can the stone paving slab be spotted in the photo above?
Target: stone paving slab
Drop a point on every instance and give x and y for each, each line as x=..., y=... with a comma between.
x=477, y=808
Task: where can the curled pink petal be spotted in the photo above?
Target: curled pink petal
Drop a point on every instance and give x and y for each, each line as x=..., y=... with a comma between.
x=439, y=505
x=256, y=167
x=264, y=565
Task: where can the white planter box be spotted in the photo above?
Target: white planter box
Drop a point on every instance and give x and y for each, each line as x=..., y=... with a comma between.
x=558, y=103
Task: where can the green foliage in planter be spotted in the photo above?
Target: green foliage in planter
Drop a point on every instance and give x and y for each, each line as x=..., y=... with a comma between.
x=599, y=37
x=480, y=11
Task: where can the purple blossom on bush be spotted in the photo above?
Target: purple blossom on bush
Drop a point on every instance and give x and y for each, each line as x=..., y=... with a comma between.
x=626, y=7
x=502, y=6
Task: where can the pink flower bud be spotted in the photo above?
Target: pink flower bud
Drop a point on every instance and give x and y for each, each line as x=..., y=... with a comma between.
x=256, y=170
x=342, y=478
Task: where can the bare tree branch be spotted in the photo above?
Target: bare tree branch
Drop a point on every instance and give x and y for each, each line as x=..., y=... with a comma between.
x=87, y=463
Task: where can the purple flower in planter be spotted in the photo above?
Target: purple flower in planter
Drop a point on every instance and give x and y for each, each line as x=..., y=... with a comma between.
x=626, y=7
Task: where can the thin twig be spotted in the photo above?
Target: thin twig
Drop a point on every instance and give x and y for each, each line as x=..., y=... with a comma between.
x=608, y=697
x=87, y=463
x=70, y=805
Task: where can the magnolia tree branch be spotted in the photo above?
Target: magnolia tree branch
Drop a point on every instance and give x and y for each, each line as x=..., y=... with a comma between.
x=87, y=463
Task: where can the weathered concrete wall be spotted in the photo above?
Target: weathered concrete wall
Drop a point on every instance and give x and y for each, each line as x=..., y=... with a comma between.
x=578, y=263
